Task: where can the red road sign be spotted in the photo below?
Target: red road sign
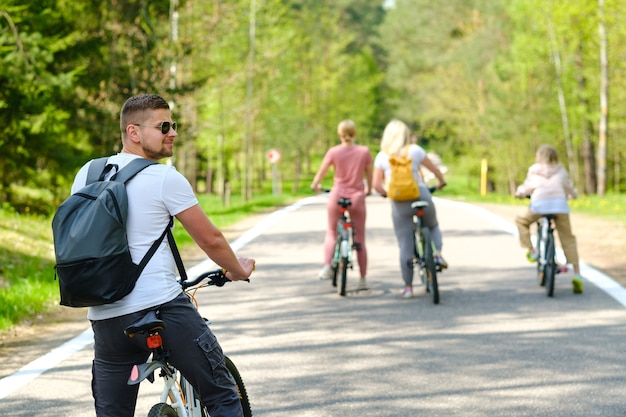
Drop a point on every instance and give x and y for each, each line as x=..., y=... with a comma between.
x=274, y=156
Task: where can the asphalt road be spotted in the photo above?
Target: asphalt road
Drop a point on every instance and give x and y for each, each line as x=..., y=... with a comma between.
x=494, y=346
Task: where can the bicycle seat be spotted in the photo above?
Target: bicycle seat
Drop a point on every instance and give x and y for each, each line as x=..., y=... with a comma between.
x=344, y=202
x=149, y=322
x=419, y=204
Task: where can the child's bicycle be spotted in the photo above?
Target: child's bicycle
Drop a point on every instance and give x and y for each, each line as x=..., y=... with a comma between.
x=424, y=251
x=178, y=398
x=547, y=267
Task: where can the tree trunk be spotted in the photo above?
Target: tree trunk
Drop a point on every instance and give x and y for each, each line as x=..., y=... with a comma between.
x=590, y=180
x=604, y=102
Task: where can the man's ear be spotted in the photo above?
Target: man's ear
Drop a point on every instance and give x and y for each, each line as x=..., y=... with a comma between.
x=132, y=133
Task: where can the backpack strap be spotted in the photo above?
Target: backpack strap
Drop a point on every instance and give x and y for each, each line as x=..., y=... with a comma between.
x=170, y=238
x=133, y=168
x=95, y=169
x=176, y=253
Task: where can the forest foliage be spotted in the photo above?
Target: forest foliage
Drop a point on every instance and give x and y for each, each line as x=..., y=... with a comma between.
x=476, y=79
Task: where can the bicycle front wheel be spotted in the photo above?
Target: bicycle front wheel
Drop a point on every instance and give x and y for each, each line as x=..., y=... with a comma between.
x=550, y=268
x=241, y=389
x=431, y=266
x=162, y=410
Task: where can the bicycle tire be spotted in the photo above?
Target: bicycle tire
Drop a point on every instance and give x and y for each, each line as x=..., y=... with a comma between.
x=550, y=269
x=430, y=265
x=540, y=250
x=333, y=272
x=335, y=262
x=417, y=258
x=343, y=278
x=241, y=388
x=162, y=410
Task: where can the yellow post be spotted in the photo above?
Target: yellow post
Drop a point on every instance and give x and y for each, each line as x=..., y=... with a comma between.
x=483, y=177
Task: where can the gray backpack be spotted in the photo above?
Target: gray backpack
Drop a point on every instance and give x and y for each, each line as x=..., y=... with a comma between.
x=93, y=262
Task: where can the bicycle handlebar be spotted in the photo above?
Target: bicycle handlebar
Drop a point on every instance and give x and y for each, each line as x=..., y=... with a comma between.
x=216, y=277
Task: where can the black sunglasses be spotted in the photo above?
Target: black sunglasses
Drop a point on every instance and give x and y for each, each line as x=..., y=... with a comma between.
x=165, y=126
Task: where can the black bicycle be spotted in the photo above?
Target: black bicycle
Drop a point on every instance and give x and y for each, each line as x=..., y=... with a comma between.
x=178, y=398
x=424, y=251
x=547, y=266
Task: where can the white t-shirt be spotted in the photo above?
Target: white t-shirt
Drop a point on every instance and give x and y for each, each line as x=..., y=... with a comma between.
x=417, y=155
x=155, y=194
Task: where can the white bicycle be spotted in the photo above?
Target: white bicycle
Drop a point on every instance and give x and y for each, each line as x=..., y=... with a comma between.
x=178, y=398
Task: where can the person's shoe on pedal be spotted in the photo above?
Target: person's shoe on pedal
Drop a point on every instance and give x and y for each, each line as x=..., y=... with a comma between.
x=324, y=273
x=531, y=256
x=577, y=284
x=407, y=292
x=441, y=262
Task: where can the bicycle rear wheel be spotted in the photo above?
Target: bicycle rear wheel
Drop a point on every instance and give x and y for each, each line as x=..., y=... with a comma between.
x=540, y=251
x=432, y=285
x=343, y=276
x=334, y=265
x=162, y=410
x=550, y=268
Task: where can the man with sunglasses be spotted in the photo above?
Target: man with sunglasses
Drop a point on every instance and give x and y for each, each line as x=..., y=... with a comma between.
x=154, y=195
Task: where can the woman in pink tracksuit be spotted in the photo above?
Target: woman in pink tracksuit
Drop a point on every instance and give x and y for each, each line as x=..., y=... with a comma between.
x=352, y=164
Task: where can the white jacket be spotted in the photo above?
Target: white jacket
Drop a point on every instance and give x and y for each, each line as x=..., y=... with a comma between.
x=549, y=187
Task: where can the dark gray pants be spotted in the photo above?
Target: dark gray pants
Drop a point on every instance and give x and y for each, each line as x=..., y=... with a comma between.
x=194, y=351
x=402, y=216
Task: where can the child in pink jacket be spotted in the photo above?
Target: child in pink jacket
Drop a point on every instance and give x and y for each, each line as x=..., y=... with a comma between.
x=549, y=187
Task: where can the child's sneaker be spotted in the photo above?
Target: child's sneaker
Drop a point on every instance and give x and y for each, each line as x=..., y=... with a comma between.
x=362, y=284
x=532, y=257
x=577, y=283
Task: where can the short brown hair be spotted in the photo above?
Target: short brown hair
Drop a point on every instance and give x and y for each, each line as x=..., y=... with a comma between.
x=134, y=108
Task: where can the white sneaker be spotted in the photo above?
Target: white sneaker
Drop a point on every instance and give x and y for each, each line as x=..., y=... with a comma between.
x=407, y=292
x=324, y=273
x=362, y=284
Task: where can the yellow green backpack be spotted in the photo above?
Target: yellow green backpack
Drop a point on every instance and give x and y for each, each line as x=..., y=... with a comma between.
x=401, y=185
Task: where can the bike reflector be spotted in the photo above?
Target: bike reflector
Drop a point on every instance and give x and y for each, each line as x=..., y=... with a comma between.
x=154, y=341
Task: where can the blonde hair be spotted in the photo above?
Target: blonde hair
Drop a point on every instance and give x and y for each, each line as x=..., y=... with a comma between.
x=546, y=154
x=395, y=136
x=347, y=130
